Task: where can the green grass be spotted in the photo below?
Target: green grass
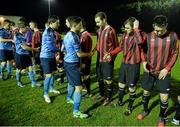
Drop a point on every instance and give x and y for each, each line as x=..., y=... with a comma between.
x=26, y=106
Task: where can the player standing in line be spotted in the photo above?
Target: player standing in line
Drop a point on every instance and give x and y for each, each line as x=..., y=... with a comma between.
x=162, y=52
x=6, y=50
x=107, y=41
x=129, y=72
x=23, y=59
x=71, y=44
x=85, y=62
x=47, y=56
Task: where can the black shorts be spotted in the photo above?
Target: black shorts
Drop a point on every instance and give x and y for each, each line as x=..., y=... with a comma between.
x=73, y=73
x=106, y=70
x=48, y=64
x=148, y=81
x=87, y=69
x=129, y=74
x=23, y=61
x=36, y=57
x=6, y=55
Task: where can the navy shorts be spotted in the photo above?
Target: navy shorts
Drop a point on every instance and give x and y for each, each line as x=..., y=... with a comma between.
x=129, y=74
x=73, y=73
x=148, y=81
x=6, y=55
x=106, y=70
x=87, y=69
x=49, y=65
x=23, y=61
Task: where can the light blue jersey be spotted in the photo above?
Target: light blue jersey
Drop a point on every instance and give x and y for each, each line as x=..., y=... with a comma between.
x=5, y=34
x=48, y=48
x=71, y=43
x=19, y=39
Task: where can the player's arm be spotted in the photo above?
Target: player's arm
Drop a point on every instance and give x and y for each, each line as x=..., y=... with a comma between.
x=174, y=54
x=6, y=40
x=25, y=47
x=82, y=54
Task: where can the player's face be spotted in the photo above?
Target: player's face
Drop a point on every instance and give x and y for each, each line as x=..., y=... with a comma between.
x=7, y=26
x=32, y=25
x=160, y=31
x=128, y=28
x=56, y=25
x=24, y=30
x=100, y=22
x=67, y=24
x=78, y=27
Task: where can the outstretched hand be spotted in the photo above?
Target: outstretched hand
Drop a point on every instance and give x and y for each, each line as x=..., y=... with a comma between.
x=107, y=56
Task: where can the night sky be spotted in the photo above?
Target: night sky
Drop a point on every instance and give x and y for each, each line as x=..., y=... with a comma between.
x=37, y=10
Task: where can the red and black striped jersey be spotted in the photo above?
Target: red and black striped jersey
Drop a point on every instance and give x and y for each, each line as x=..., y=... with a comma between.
x=131, y=47
x=86, y=45
x=107, y=41
x=58, y=43
x=36, y=39
x=162, y=51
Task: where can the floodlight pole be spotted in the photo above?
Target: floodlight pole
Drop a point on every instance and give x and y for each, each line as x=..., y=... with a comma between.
x=49, y=3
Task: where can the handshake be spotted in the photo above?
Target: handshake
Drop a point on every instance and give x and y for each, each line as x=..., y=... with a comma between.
x=107, y=56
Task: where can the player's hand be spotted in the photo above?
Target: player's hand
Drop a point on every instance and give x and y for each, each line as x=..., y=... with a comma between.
x=91, y=53
x=144, y=66
x=57, y=57
x=36, y=49
x=163, y=73
x=83, y=66
x=107, y=56
x=136, y=24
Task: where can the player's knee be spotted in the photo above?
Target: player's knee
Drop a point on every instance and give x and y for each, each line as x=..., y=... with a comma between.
x=18, y=70
x=78, y=88
x=132, y=89
x=48, y=75
x=30, y=68
x=121, y=85
x=146, y=93
x=163, y=97
x=108, y=81
x=3, y=63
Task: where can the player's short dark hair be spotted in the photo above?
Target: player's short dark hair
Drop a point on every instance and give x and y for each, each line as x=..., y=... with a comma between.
x=102, y=15
x=69, y=18
x=75, y=20
x=6, y=21
x=130, y=21
x=13, y=23
x=35, y=23
x=160, y=21
x=52, y=19
x=22, y=22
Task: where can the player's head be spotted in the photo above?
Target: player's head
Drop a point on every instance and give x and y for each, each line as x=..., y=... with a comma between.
x=54, y=22
x=22, y=25
x=32, y=25
x=67, y=21
x=129, y=24
x=160, y=24
x=75, y=23
x=100, y=19
x=7, y=24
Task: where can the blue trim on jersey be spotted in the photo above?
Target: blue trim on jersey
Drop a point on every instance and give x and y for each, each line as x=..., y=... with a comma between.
x=71, y=43
x=19, y=39
x=5, y=34
x=48, y=48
